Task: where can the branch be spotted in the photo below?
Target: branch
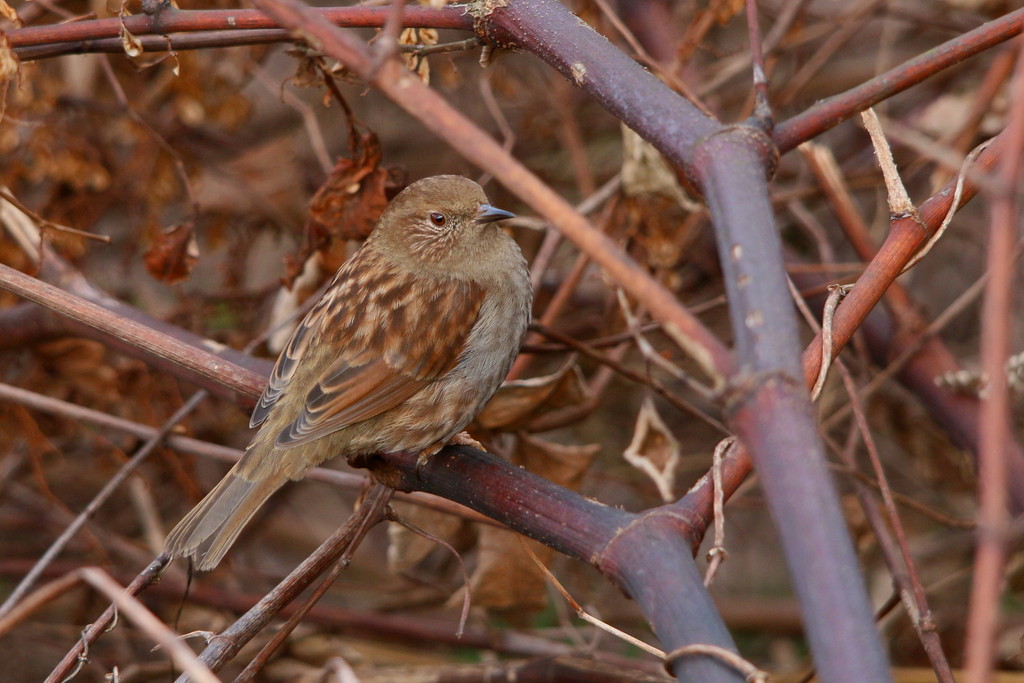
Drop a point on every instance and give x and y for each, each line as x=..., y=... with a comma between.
x=153, y=30
x=648, y=555
x=198, y=366
x=836, y=109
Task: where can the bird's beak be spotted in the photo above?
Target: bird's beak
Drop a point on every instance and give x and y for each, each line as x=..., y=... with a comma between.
x=489, y=214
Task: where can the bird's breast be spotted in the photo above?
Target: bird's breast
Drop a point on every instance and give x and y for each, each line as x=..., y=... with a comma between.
x=499, y=330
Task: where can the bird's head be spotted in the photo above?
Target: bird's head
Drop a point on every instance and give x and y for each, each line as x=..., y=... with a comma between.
x=444, y=222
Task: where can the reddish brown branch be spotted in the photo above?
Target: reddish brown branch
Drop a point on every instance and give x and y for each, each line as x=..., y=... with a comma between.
x=96, y=629
x=838, y=108
x=170, y=20
x=900, y=328
x=648, y=555
x=201, y=367
x=905, y=238
x=996, y=426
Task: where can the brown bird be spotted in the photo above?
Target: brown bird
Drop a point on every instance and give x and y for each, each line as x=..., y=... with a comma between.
x=414, y=335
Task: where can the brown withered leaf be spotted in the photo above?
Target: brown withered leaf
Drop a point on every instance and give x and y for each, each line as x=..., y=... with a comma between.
x=309, y=66
x=516, y=403
x=726, y=9
x=174, y=254
x=348, y=204
x=418, y=64
x=415, y=555
x=312, y=66
x=658, y=219
x=8, y=13
x=9, y=64
x=654, y=450
x=562, y=464
x=80, y=366
x=506, y=578
x=131, y=44
x=352, y=198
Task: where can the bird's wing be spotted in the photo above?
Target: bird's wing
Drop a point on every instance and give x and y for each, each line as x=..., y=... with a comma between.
x=350, y=285
x=286, y=364
x=392, y=339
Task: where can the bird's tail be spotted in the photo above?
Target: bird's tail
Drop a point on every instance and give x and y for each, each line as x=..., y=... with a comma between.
x=207, y=532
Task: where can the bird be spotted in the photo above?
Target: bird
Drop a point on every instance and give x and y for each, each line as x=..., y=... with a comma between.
x=415, y=333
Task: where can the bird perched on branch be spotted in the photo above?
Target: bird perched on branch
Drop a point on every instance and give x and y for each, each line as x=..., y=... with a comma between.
x=414, y=335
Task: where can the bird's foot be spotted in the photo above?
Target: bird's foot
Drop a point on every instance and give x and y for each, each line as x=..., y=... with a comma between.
x=460, y=439
x=464, y=439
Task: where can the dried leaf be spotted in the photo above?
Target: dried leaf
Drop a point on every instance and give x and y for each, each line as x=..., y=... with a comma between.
x=517, y=403
x=506, y=578
x=173, y=255
x=348, y=204
x=410, y=553
x=654, y=210
x=726, y=9
x=310, y=66
x=352, y=198
x=654, y=450
x=132, y=45
x=645, y=171
x=562, y=464
x=9, y=64
x=9, y=14
x=290, y=299
x=418, y=63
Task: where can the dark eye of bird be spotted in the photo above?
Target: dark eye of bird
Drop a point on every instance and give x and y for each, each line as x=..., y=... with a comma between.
x=437, y=219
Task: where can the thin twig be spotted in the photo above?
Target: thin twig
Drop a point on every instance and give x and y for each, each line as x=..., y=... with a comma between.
x=717, y=554
x=98, y=500
x=466, y=598
x=957, y=193
x=762, y=105
x=651, y=354
x=35, y=600
x=582, y=613
x=908, y=579
x=231, y=640
x=508, y=135
x=309, y=119
x=364, y=518
x=553, y=238
x=163, y=346
x=45, y=224
x=185, y=444
x=963, y=301
x=456, y=46
x=751, y=672
x=76, y=656
x=179, y=163
x=665, y=74
x=655, y=384
x=134, y=610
